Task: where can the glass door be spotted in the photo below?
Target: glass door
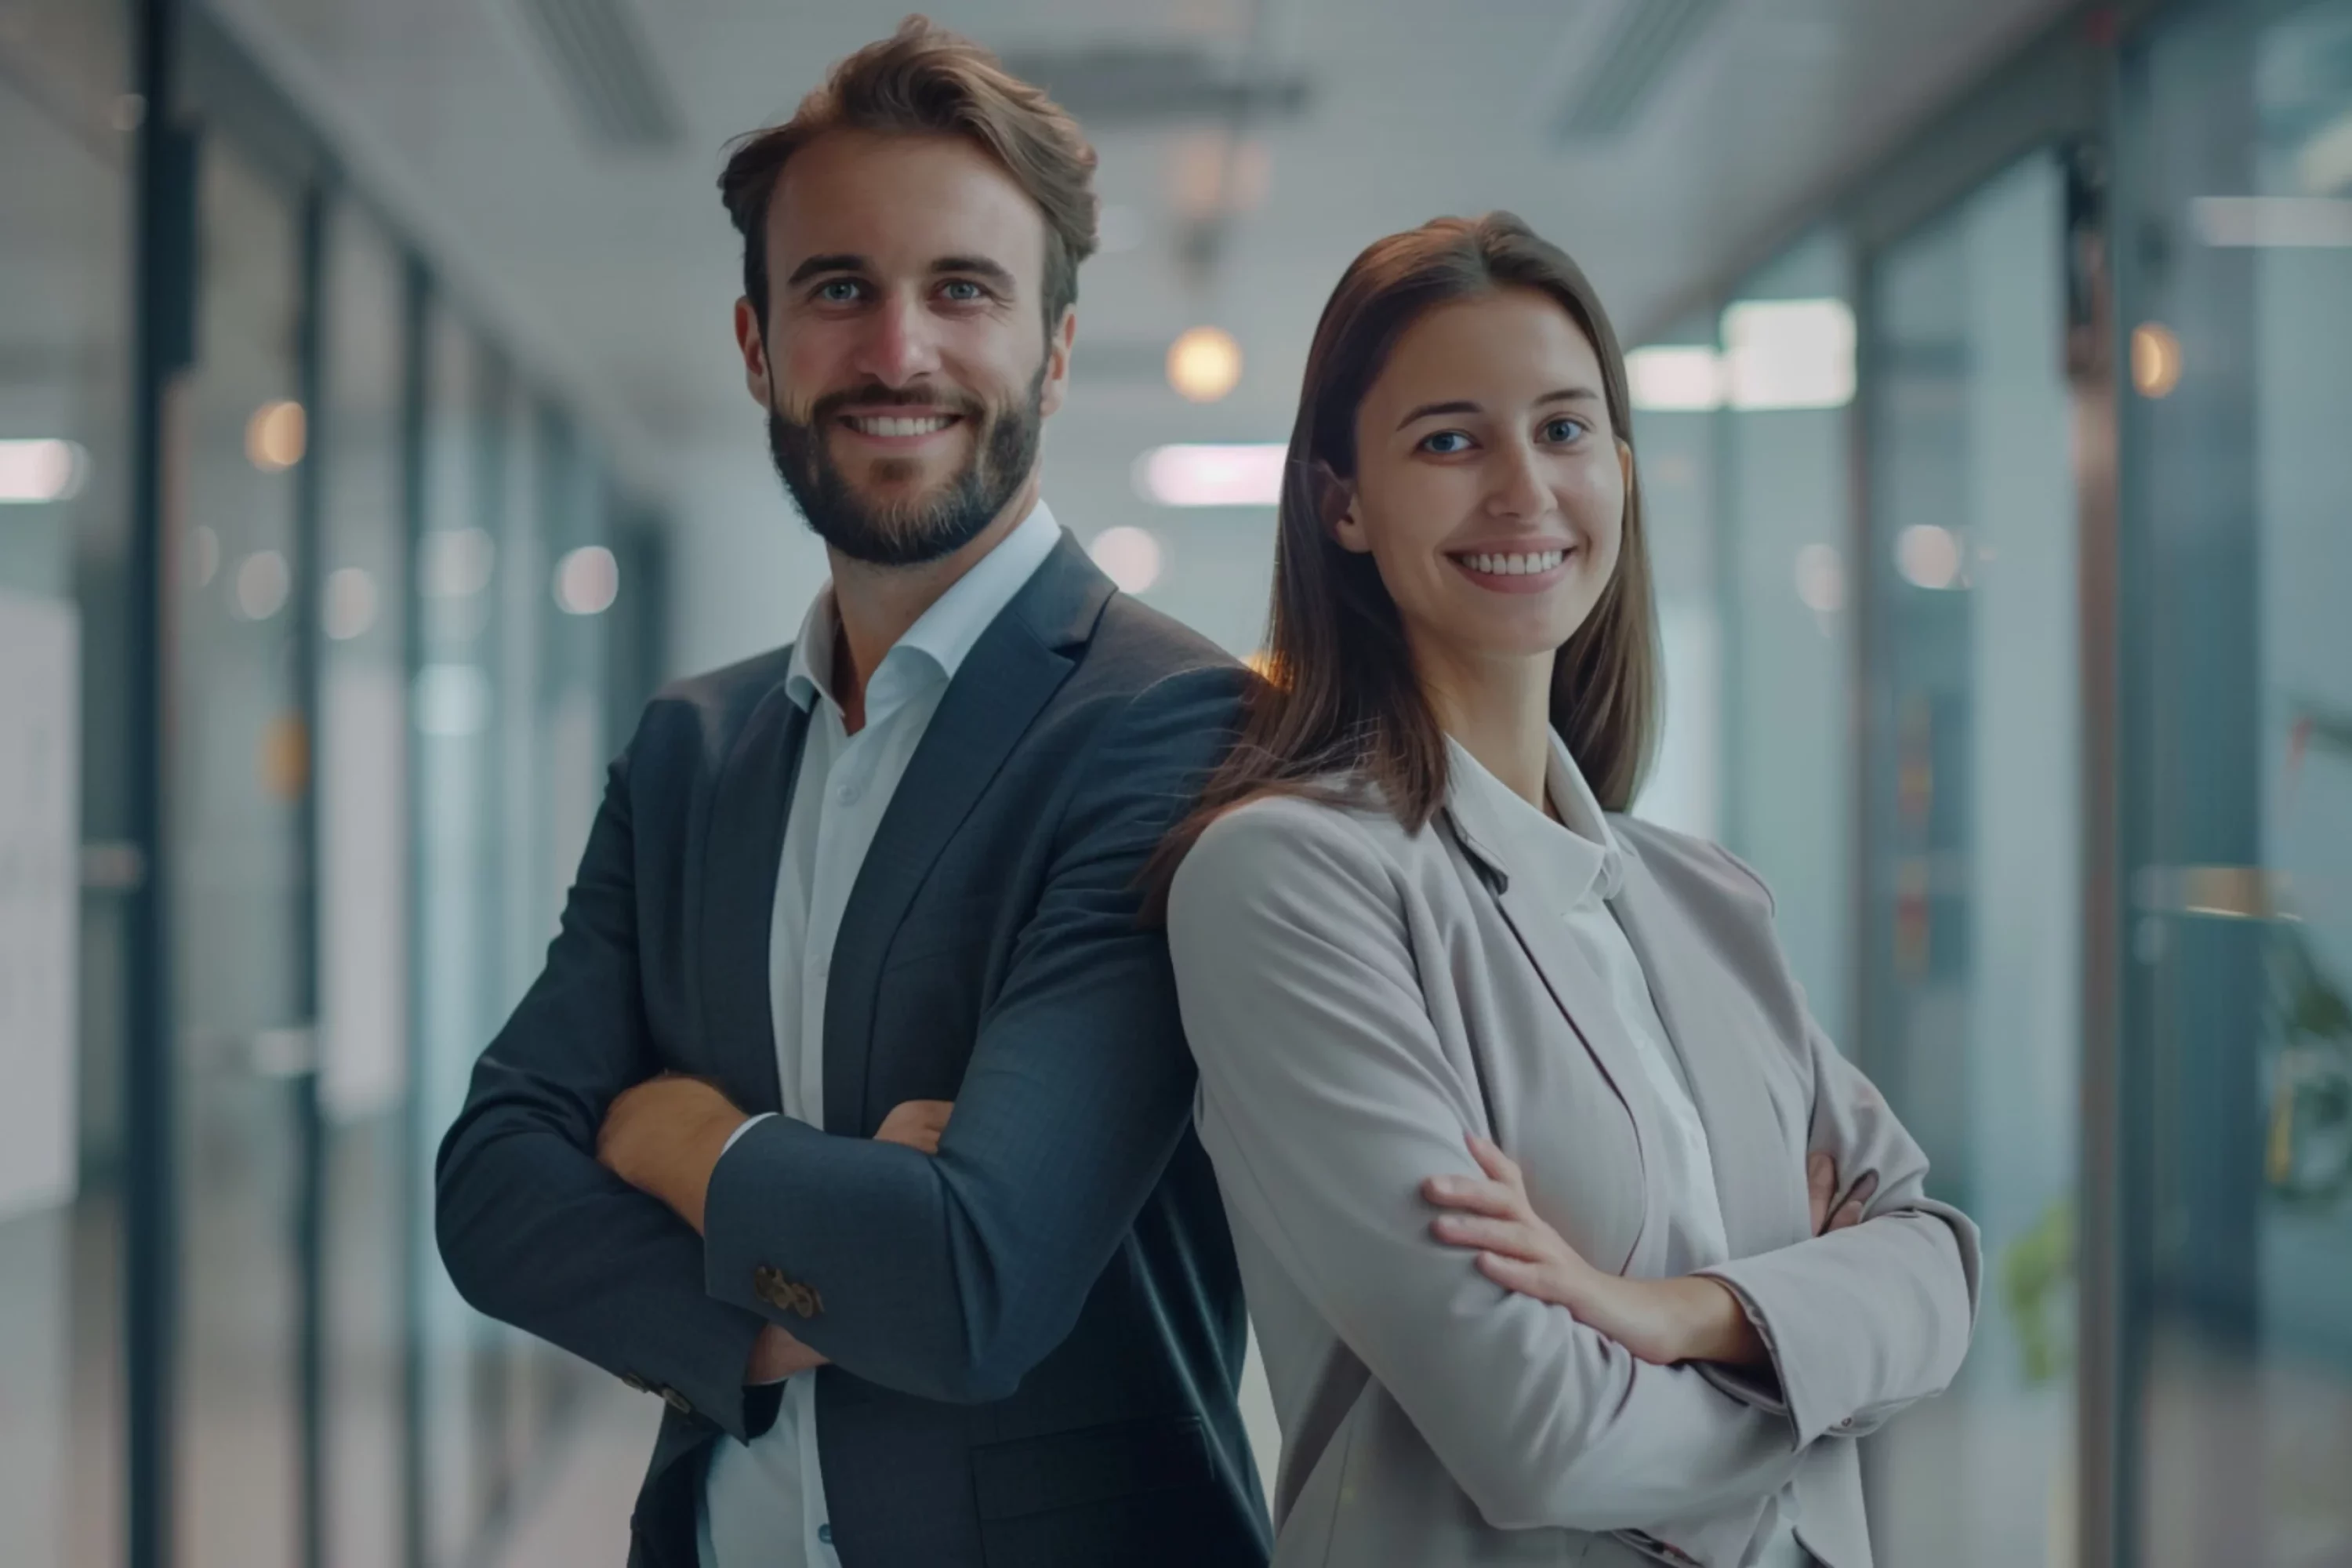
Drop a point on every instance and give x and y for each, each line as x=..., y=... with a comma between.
x=66, y=652
x=1970, y=944
x=239, y=762
x=2236, y=299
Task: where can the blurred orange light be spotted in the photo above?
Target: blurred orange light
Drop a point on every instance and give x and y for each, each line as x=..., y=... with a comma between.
x=2154, y=358
x=276, y=436
x=1204, y=363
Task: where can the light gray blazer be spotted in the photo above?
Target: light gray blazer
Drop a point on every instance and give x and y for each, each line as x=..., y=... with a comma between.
x=1359, y=999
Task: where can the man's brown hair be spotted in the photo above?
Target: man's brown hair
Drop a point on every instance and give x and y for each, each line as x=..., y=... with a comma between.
x=925, y=81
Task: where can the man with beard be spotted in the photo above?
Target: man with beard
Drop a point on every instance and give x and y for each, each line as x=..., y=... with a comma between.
x=892, y=866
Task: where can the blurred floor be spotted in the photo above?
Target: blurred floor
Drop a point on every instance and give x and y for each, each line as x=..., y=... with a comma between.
x=576, y=1510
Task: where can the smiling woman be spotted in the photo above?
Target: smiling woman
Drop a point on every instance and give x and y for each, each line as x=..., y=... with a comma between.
x=1466, y=418
x=1556, y=1212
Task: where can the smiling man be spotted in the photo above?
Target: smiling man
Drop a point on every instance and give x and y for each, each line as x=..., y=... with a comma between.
x=892, y=866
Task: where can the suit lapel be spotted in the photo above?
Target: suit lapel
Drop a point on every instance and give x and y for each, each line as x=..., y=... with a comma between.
x=742, y=855
x=1007, y=678
x=1580, y=993
x=1727, y=1080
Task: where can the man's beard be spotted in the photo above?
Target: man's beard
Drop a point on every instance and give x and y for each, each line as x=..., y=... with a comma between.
x=940, y=523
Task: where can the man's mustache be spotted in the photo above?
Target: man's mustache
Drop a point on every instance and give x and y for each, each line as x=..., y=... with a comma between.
x=879, y=397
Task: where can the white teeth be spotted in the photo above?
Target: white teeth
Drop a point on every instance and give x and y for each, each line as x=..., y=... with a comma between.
x=881, y=425
x=1515, y=566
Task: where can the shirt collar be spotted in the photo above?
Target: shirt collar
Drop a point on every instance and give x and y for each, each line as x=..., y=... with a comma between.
x=1576, y=858
x=941, y=638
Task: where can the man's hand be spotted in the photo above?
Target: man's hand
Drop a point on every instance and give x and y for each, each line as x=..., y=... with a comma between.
x=916, y=1124
x=664, y=1138
x=776, y=1355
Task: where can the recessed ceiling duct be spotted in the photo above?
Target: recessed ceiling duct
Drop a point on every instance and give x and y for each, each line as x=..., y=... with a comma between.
x=1130, y=85
x=598, y=52
x=1649, y=39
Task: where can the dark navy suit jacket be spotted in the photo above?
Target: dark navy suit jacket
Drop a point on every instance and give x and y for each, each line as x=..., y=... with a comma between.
x=1038, y=1333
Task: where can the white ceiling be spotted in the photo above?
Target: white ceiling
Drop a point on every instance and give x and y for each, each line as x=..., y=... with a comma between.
x=616, y=276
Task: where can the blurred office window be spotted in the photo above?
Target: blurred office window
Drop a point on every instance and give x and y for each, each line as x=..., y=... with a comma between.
x=459, y=884
x=1969, y=941
x=363, y=879
x=65, y=648
x=1782, y=491
x=1676, y=440
x=586, y=586
x=2237, y=292
x=239, y=760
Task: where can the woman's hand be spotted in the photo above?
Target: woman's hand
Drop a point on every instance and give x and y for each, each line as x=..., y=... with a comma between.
x=1660, y=1320
x=1820, y=1191
x=1694, y=1318
x=1657, y=1320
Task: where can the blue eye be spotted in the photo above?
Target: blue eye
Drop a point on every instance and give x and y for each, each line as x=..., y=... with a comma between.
x=1563, y=429
x=963, y=291
x=838, y=291
x=1430, y=443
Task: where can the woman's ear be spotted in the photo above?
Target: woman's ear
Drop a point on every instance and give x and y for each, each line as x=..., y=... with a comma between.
x=1335, y=508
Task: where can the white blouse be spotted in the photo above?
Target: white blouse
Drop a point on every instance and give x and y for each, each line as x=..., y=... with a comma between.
x=1578, y=866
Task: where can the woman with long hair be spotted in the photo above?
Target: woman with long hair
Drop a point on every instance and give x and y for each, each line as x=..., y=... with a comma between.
x=1568, y=1235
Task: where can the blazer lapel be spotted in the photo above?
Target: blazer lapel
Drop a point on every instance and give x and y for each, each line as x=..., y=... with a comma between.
x=1012, y=671
x=1727, y=1080
x=742, y=858
x=1580, y=993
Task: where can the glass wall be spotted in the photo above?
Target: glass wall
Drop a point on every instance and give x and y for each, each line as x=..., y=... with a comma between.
x=1785, y=512
x=1677, y=447
x=286, y=457
x=64, y=647
x=507, y=700
x=2237, y=299
x=459, y=883
x=363, y=887
x=1969, y=942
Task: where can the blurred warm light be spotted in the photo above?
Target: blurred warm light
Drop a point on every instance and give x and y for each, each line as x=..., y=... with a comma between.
x=1211, y=476
x=455, y=563
x=1209, y=174
x=48, y=469
x=205, y=544
x=2289, y=223
x=1927, y=556
x=2154, y=358
x=285, y=761
x=351, y=603
x=1130, y=557
x=587, y=581
x=275, y=435
x=1821, y=579
x=1260, y=663
x=1788, y=354
x=1204, y=363
x=1684, y=378
x=263, y=581
x=452, y=700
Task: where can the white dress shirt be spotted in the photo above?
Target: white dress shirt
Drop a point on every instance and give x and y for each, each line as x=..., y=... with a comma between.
x=764, y=1502
x=1577, y=865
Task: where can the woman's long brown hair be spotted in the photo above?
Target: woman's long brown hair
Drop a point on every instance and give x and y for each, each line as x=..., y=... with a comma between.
x=1337, y=697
